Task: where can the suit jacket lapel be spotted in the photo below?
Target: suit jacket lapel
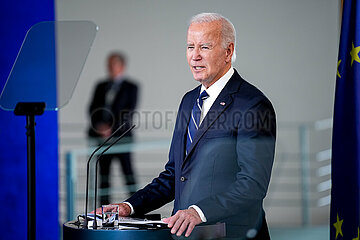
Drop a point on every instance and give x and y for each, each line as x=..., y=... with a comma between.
x=213, y=114
x=222, y=102
x=185, y=116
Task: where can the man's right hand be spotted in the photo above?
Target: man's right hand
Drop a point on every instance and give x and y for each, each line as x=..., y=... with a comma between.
x=124, y=209
x=103, y=129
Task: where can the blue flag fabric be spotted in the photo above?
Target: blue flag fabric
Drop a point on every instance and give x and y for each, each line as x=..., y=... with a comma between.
x=345, y=192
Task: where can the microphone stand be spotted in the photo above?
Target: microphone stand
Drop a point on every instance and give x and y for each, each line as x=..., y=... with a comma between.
x=96, y=170
x=88, y=167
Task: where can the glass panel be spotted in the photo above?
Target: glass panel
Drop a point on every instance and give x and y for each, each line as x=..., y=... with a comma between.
x=49, y=64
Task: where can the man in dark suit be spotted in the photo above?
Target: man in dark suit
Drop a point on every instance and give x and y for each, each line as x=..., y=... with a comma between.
x=112, y=104
x=223, y=145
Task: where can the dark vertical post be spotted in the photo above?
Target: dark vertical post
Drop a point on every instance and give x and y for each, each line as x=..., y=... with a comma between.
x=31, y=195
x=30, y=110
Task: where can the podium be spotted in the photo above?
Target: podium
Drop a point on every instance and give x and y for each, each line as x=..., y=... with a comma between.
x=71, y=231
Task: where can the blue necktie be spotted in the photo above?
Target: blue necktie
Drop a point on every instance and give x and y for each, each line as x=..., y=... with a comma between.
x=195, y=119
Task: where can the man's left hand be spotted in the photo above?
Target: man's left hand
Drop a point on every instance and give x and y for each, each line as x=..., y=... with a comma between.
x=183, y=220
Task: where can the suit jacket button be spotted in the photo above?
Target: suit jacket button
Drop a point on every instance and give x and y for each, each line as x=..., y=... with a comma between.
x=182, y=179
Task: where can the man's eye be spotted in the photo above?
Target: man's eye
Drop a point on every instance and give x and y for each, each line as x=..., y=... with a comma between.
x=190, y=47
x=205, y=47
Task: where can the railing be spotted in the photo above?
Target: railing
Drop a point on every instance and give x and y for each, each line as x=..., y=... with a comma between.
x=71, y=167
x=299, y=192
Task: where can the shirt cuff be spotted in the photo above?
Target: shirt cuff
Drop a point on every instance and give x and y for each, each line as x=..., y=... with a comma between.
x=131, y=207
x=201, y=214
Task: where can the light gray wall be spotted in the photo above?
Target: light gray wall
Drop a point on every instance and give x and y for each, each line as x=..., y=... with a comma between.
x=288, y=48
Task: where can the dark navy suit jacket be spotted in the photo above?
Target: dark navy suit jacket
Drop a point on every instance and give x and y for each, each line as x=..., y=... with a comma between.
x=119, y=111
x=227, y=170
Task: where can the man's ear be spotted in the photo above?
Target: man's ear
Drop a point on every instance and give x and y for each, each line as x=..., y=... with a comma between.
x=229, y=52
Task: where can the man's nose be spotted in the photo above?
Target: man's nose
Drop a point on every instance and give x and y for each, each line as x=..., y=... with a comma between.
x=196, y=54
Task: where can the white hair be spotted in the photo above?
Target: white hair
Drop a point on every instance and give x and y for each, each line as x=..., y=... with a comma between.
x=227, y=28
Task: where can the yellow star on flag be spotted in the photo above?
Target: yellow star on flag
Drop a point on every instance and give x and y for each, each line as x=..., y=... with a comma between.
x=338, y=74
x=357, y=237
x=337, y=225
x=355, y=54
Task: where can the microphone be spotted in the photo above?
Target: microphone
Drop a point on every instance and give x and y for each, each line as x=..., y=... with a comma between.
x=96, y=169
x=88, y=167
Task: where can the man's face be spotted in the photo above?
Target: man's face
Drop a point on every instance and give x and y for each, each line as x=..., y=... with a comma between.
x=207, y=58
x=115, y=67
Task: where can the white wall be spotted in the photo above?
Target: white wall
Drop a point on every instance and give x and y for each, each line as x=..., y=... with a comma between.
x=287, y=48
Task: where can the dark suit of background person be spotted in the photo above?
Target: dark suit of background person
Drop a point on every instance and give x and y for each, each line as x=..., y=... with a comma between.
x=112, y=104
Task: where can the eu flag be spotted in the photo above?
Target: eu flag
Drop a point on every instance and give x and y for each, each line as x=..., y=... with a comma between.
x=345, y=192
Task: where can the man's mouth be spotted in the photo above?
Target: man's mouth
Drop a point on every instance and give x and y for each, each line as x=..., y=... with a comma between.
x=198, y=67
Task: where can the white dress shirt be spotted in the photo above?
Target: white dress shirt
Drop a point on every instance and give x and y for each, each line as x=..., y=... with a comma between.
x=213, y=92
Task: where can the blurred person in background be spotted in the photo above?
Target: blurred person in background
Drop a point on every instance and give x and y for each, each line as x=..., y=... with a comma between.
x=112, y=104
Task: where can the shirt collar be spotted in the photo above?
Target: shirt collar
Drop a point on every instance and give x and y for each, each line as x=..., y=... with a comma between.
x=215, y=89
x=119, y=78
